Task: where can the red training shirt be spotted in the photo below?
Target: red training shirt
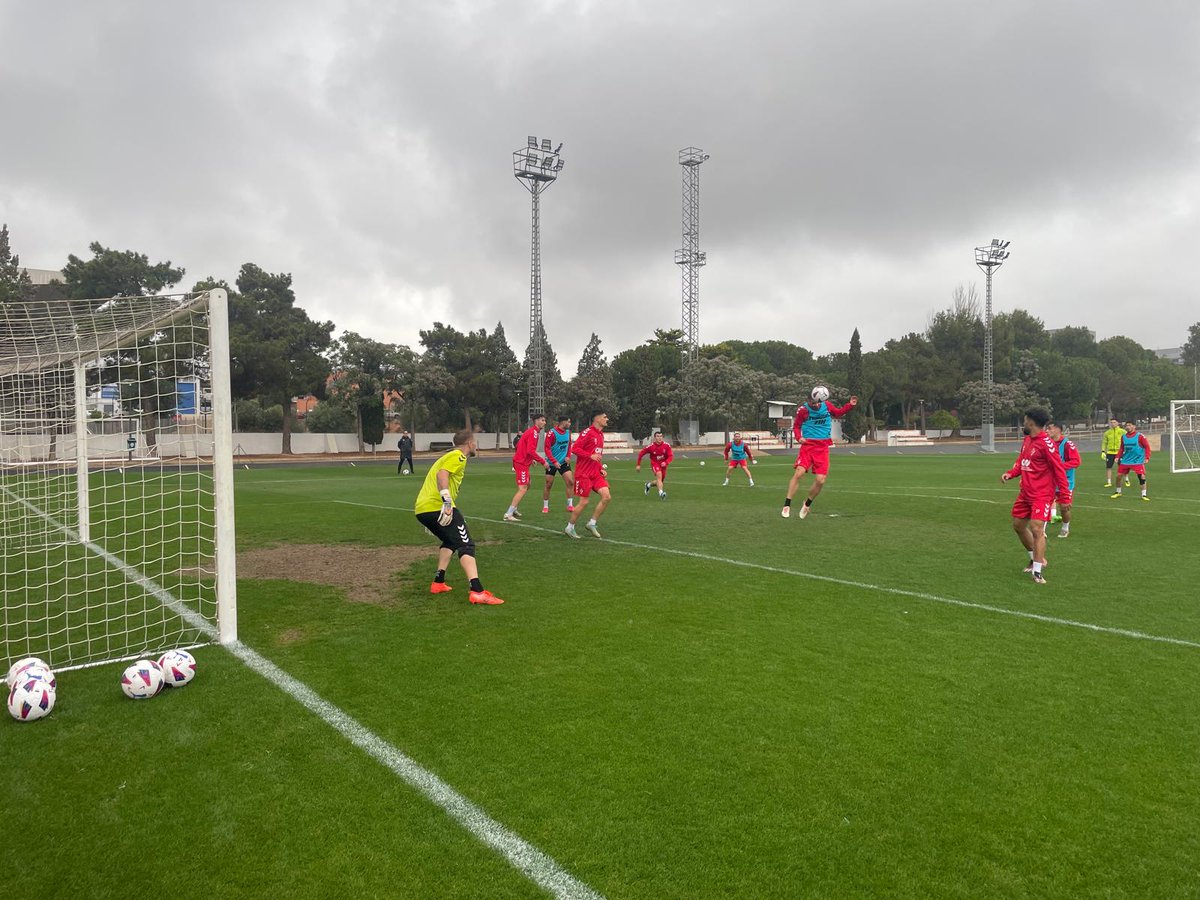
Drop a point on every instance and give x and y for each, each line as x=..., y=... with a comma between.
x=1040, y=469
x=526, y=452
x=660, y=454
x=591, y=441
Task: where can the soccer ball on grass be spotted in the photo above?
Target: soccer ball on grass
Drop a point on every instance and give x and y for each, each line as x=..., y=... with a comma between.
x=178, y=667
x=31, y=698
x=17, y=669
x=142, y=680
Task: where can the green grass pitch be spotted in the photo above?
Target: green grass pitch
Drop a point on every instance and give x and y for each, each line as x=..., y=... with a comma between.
x=738, y=706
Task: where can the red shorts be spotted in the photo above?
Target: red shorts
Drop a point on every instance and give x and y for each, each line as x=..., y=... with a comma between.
x=737, y=464
x=585, y=485
x=522, y=475
x=1036, y=508
x=814, y=458
x=1139, y=469
x=659, y=469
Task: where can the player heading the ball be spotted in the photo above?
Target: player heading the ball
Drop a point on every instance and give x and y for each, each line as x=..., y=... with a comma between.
x=813, y=428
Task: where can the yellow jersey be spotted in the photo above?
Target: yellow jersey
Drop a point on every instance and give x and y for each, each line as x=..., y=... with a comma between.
x=429, y=498
x=1112, y=440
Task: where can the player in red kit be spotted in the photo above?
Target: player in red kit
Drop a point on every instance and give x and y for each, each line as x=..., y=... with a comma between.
x=1042, y=475
x=813, y=428
x=738, y=456
x=660, y=454
x=524, y=456
x=588, y=451
x=1069, y=454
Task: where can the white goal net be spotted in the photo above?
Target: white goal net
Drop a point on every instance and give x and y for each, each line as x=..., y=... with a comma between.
x=1185, y=435
x=115, y=477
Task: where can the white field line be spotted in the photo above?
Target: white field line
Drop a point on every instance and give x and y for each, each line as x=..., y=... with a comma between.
x=535, y=865
x=845, y=582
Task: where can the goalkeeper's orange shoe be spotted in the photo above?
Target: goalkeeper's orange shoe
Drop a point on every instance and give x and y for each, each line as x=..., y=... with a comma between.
x=439, y=587
x=485, y=597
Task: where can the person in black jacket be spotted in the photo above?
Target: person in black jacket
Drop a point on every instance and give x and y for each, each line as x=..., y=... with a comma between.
x=406, y=448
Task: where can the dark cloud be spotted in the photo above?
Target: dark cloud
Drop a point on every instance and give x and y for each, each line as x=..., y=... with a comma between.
x=859, y=151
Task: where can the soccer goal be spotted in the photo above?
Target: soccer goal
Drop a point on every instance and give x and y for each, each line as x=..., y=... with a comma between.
x=1185, y=435
x=116, y=477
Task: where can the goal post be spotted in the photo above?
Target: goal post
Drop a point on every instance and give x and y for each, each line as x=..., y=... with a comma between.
x=116, y=478
x=1184, y=434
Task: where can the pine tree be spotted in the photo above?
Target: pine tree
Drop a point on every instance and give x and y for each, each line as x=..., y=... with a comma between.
x=14, y=280
x=854, y=426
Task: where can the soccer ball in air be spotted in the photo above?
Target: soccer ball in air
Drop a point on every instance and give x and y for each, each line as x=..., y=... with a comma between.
x=21, y=665
x=820, y=392
x=701, y=462
x=142, y=680
x=178, y=667
x=30, y=699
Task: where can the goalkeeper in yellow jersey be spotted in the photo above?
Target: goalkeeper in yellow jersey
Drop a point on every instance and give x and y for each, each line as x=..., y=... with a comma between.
x=436, y=510
x=1110, y=449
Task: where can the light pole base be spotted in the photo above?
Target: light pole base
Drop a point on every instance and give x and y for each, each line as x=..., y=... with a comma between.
x=987, y=439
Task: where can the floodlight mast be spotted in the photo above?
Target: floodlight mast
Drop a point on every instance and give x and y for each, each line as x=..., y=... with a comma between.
x=691, y=258
x=989, y=258
x=536, y=166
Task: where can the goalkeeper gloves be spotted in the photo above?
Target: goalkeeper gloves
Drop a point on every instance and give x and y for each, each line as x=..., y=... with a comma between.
x=447, y=513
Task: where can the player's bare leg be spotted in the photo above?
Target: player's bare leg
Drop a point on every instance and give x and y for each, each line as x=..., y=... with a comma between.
x=569, y=480
x=580, y=505
x=512, y=514
x=661, y=477
x=605, y=498
x=546, y=493
x=1065, y=511
x=728, y=472
x=791, y=491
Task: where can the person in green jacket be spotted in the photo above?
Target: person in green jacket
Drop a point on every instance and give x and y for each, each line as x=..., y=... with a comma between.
x=1110, y=449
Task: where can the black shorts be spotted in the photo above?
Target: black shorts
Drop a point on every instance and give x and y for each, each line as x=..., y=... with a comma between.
x=1110, y=459
x=553, y=470
x=453, y=536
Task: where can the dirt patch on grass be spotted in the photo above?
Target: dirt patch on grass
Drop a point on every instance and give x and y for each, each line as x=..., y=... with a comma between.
x=367, y=574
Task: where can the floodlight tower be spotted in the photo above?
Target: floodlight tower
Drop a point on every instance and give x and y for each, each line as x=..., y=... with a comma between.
x=536, y=166
x=691, y=258
x=988, y=259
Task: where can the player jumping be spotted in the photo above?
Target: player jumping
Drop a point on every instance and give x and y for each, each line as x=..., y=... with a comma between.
x=1069, y=454
x=813, y=428
x=738, y=455
x=524, y=456
x=557, y=449
x=660, y=454
x=1042, y=475
x=588, y=451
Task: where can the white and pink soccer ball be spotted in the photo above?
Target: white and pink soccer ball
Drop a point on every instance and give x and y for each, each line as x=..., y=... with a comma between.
x=820, y=393
x=142, y=680
x=178, y=667
x=30, y=664
x=31, y=697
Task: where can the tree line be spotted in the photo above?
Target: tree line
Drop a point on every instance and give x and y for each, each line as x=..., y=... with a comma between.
x=474, y=378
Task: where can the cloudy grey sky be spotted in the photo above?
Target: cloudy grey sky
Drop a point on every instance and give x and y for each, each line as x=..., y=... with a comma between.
x=859, y=150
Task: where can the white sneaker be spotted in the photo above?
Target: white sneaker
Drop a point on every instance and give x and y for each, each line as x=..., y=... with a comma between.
x=593, y=529
x=787, y=512
x=1064, y=534
x=804, y=508
x=648, y=488
x=725, y=483
x=662, y=495
x=751, y=482
x=509, y=517
x=569, y=531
